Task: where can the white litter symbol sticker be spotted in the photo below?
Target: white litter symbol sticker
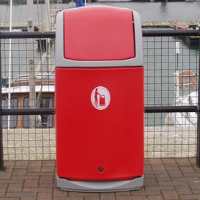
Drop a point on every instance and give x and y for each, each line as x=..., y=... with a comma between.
x=100, y=98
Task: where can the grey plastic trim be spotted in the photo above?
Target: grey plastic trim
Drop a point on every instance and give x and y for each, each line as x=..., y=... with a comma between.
x=101, y=186
x=62, y=62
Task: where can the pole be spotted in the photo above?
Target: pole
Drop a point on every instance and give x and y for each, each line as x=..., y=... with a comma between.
x=47, y=13
x=1, y=130
x=177, y=72
x=198, y=118
x=47, y=6
x=32, y=94
x=9, y=64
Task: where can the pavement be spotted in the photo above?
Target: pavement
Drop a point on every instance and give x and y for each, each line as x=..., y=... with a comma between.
x=177, y=178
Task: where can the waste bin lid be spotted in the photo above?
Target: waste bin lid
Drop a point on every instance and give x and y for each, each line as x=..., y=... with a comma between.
x=98, y=34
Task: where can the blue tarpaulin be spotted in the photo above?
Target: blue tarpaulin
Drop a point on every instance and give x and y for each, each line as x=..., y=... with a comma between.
x=79, y=3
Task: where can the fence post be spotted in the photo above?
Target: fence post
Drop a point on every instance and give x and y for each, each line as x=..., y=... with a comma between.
x=198, y=120
x=1, y=130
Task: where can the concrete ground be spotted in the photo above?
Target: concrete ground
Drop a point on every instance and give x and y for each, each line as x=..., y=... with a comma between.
x=164, y=179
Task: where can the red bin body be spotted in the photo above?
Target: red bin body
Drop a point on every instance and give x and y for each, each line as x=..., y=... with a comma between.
x=99, y=100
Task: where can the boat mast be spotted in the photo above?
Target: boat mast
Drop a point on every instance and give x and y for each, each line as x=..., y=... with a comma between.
x=47, y=13
x=32, y=94
x=9, y=65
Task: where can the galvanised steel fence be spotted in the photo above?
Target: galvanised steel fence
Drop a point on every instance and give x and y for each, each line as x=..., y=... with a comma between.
x=172, y=104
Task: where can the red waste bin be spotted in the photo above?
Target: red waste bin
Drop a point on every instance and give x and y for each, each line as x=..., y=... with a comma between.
x=99, y=100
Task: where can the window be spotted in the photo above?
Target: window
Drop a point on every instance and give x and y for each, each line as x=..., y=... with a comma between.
x=9, y=121
x=42, y=121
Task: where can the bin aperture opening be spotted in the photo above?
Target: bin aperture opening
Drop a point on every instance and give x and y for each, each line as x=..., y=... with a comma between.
x=109, y=30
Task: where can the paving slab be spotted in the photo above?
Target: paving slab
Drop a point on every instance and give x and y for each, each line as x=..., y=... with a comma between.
x=175, y=178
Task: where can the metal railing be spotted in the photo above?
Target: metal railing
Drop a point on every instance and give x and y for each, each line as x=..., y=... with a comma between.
x=148, y=109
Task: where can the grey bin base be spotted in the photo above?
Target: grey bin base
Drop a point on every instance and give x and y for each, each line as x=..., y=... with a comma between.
x=100, y=186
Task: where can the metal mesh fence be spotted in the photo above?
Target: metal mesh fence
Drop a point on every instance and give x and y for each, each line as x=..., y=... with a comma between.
x=28, y=137
x=171, y=76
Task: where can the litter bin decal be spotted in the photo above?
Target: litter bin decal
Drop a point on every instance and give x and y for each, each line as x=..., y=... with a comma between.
x=99, y=95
